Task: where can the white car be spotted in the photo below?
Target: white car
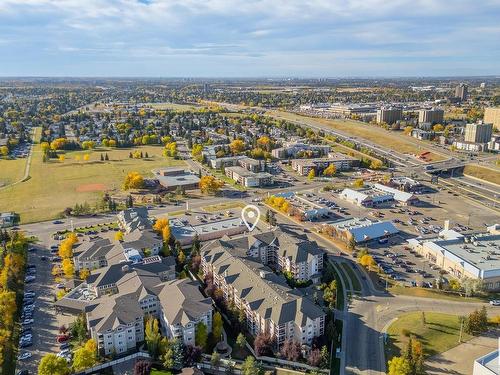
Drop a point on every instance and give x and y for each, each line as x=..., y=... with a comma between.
x=24, y=356
x=495, y=302
x=27, y=322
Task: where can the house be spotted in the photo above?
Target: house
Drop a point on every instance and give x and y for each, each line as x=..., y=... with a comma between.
x=183, y=307
x=269, y=304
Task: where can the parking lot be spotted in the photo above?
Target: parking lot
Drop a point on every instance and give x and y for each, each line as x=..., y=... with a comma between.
x=42, y=326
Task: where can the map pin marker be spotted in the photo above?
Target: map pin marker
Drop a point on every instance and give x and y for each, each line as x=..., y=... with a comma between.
x=250, y=216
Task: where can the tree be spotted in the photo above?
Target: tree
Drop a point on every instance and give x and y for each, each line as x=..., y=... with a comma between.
x=330, y=170
x=367, y=261
x=68, y=268
x=51, y=364
x=251, y=367
x=152, y=336
x=311, y=174
x=476, y=322
x=61, y=158
x=237, y=146
x=160, y=224
x=210, y=185
x=84, y=273
x=86, y=157
x=291, y=350
x=133, y=180
x=241, y=341
x=217, y=326
x=196, y=151
x=330, y=293
x=119, y=236
x=263, y=344
x=314, y=358
x=192, y=355
x=166, y=234
x=201, y=335
x=398, y=366
x=215, y=359
x=359, y=183
x=142, y=367
x=85, y=356
x=438, y=128
x=4, y=151
x=376, y=164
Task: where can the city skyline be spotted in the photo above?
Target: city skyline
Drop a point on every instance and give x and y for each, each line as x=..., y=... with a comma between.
x=122, y=38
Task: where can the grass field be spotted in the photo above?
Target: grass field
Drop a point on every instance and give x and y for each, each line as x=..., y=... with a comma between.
x=428, y=293
x=484, y=173
x=439, y=333
x=392, y=140
x=11, y=170
x=55, y=185
x=356, y=285
x=174, y=106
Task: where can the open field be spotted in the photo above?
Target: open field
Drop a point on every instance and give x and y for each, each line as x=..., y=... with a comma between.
x=484, y=173
x=11, y=170
x=392, y=140
x=55, y=185
x=439, y=333
x=174, y=106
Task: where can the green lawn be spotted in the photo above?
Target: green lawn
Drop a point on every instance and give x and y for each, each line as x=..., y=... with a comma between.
x=356, y=285
x=12, y=170
x=160, y=372
x=439, y=333
x=55, y=185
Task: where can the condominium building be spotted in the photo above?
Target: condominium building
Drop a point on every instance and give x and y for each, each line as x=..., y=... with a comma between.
x=183, y=308
x=389, y=115
x=479, y=132
x=461, y=91
x=269, y=304
x=248, y=178
x=492, y=116
x=295, y=149
x=342, y=163
x=431, y=116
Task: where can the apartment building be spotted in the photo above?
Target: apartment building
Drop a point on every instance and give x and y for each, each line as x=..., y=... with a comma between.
x=134, y=219
x=294, y=149
x=389, y=115
x=461, y=91
x=478, y=133
x=183, y=308
x=342, y=163
x=248, y=178
x=431, y=116
x=270, y=305
x=492, y=116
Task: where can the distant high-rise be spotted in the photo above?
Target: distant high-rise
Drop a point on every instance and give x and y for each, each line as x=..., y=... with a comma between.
x=492, y=115
x=433, y=116
x=461, y=91
x=478, y=132
x=389, y=115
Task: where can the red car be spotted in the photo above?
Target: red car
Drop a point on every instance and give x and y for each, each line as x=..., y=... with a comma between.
x=62, y=338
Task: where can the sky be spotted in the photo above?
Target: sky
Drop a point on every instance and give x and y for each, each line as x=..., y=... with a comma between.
x=246, y=38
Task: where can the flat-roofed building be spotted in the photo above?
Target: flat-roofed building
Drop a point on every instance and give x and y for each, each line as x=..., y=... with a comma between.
x=488, y=364
x=342, y=163
x=173, y=178
x=492, y=116
x=294, y=149
x=248, y=178
x=363, y=230
x=432, y=116
x=389, y=115
x=184, y=232
x=476, y=256
x=478, y=132
x=367, y=197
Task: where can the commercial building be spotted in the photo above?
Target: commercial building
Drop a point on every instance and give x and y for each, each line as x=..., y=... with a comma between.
x=402, y=197
x=406, y=184
x=173, y=178
x=248, y=178
x=432, y=116
x=476, y=256
x=342, y=163
x=461, y=91
x=367, y=197
x=488, y=364
x=389, y=115
x=184, y=232
x=492, y=116
x=270, y=305
x=479, y=132
x=363, y=230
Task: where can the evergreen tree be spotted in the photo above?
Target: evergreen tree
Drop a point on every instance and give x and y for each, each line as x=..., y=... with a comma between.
x=106, y=157
x=102, y=157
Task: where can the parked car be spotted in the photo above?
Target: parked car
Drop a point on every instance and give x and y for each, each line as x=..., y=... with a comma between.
x=27, y=322
x=495, y=302
x=24, y=356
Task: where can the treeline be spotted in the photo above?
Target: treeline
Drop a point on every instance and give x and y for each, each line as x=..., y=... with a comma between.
x=12, y=268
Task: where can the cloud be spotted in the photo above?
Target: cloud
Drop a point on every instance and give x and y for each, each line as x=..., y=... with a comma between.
x=247, y=33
